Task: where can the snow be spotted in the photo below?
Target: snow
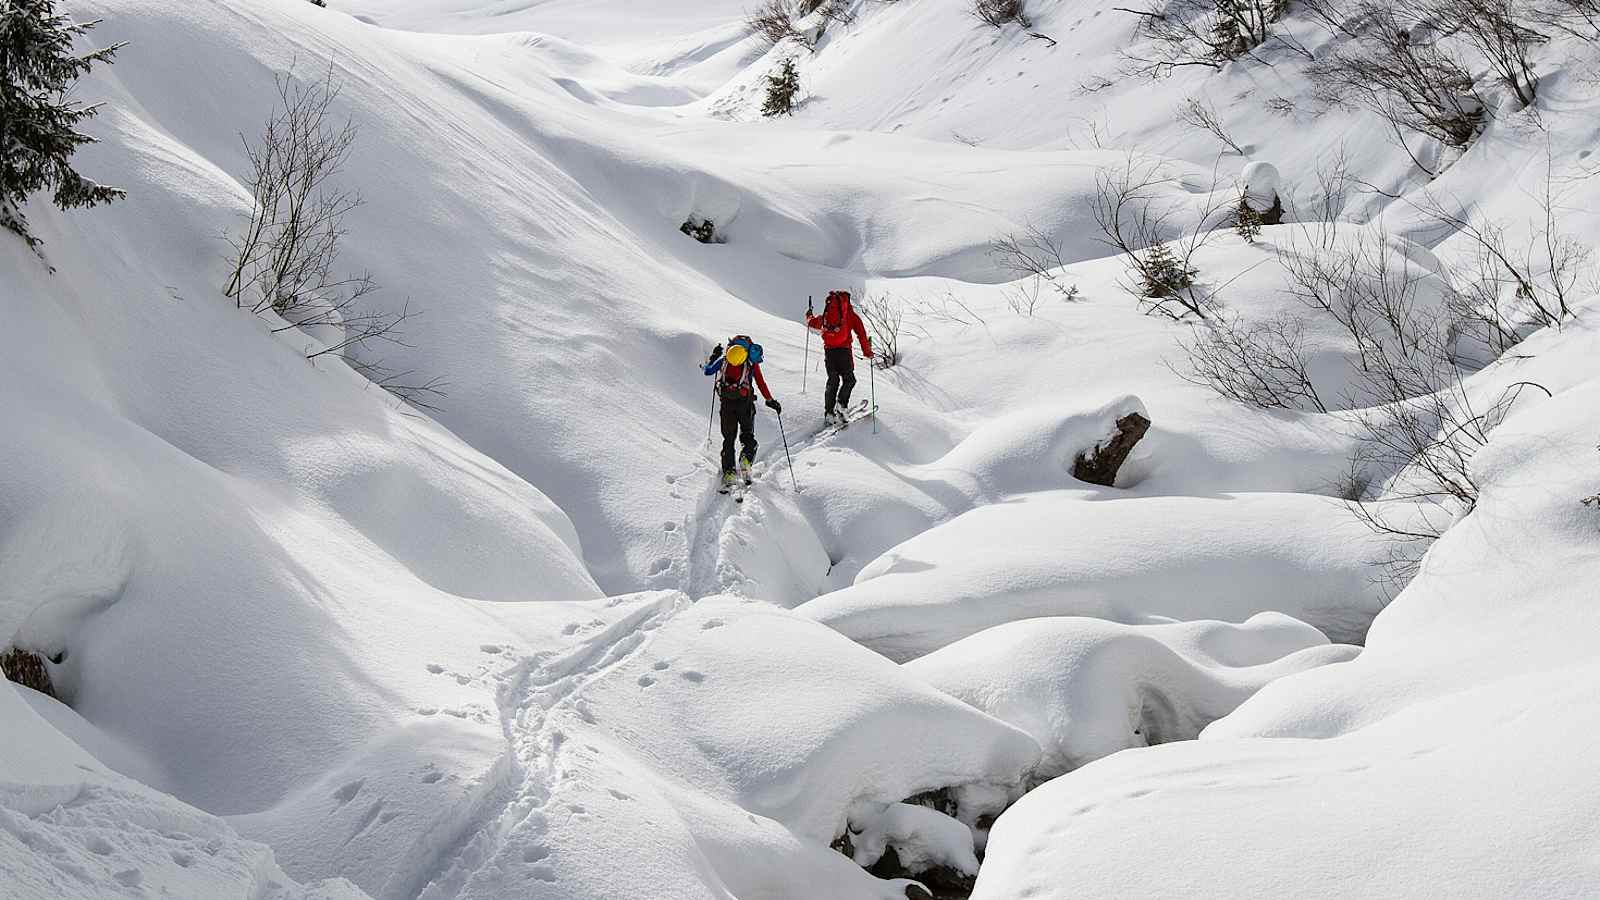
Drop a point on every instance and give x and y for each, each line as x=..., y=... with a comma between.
x=921, y=837
x=1086, y=688
x=1052, y=554
x=70, y=827
x=310, y=642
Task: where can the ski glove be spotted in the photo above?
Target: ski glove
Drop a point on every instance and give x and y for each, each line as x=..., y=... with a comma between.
x=716, y=353
x=775, y=406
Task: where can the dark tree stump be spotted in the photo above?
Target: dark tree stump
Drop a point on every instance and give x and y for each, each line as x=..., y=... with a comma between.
x=26, y=669
x=1100, y=464
x=1273, y=215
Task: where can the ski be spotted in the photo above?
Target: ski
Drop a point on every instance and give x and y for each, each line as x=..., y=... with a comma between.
x=850, y=415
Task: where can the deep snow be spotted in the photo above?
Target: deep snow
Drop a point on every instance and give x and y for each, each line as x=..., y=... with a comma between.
x=519, y=645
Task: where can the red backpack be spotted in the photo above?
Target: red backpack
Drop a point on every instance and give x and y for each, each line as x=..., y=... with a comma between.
x=836, y=312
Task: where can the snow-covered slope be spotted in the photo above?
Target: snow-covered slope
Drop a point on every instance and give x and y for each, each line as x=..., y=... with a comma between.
x=403, y=649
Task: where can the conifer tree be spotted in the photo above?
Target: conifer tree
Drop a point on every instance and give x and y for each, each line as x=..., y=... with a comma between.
x=38, y=121
x=1246, y=221
x=783, y=86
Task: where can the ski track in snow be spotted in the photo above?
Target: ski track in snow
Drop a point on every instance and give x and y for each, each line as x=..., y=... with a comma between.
x=704, y=563
x=532, y=689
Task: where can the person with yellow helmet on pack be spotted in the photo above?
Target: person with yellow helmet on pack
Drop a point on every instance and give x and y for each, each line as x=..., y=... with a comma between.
x=738, y=373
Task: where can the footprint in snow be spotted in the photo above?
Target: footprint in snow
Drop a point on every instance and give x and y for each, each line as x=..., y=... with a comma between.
x=490, y=648
x=618, y=794
x=435, y=668
x=709, y=624
x=693, y=676
x=646, y=681
x=661, y=665
x=348, y=792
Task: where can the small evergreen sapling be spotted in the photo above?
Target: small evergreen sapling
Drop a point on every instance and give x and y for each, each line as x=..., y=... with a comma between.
x=38, y=123
x=1246, y=221
x=1163, y=274
x=783, y=86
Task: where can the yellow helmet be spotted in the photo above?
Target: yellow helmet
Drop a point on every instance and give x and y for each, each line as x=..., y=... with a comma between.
x=737, y=355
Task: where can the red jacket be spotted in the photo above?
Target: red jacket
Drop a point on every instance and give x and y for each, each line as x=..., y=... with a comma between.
x=844, y=321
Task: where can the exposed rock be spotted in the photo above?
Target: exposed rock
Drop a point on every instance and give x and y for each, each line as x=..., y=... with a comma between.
x=26, y=669
x=704, y=230
x=1101, y=464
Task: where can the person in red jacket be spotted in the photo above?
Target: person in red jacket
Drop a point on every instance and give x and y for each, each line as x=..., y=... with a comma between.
x=738, y=378
x=837, y=323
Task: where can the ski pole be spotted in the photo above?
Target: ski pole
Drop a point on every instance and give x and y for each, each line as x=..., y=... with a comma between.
x=786, y=455
x=713, y=416
x=872, y=381
x=807, y=363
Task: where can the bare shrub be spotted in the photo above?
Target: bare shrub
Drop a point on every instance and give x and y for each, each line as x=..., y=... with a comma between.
x=774, y=22
x=1416, y=423
x=885, y=317
x=1196, y=113
x=1201, y=33
x=1509, y=290
x=1497, y=30
x=1001, y=12
x=1403, y=74
x=1131, y=219
x=947, y=309
x=1260, y=364
x=285, y=261
x=1034, y=259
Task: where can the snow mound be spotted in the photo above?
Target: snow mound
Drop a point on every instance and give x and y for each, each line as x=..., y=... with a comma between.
x=1134, y=560
x=716, y=746
x=1086, y=688
x=71, y=828
x=1475, y=674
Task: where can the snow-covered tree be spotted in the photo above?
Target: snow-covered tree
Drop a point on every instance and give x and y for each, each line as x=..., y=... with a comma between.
x=783, y=86
x=38, y=121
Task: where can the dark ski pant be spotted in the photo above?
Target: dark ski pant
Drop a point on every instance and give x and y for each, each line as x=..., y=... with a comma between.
x=738, y=415
x=841, y=378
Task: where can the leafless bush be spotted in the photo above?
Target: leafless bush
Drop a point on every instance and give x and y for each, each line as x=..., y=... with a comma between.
x=286, y=259
x=1131, y=218
x=774, y=22
x=1403, y=74
x=947, y=309
x=840, y=12
x=1508, y=290
x=1196, y=113
x=1261, y=364
x=1001, y=12
x=1578, y=18
x=1497, y=30
x=1034, y=259
x=1201, y=33
x=1416, y=423
x=885, y=317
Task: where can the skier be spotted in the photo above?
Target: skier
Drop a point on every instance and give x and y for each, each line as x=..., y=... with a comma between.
x=738, y=374
x=837, y=322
